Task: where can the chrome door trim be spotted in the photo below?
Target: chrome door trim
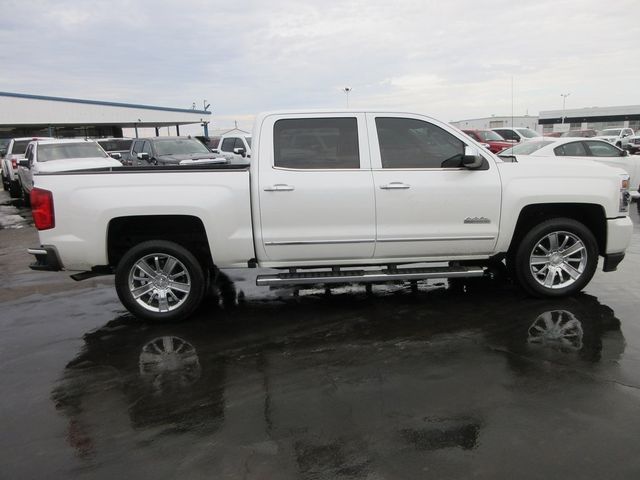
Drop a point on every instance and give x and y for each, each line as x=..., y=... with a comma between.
x=436, y=239
x=321, y=242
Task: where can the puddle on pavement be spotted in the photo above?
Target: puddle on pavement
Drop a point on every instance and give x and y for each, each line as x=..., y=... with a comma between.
x=13, y=214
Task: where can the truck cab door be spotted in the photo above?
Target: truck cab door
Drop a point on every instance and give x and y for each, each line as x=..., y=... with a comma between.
x=315, y=190
x=428, y=205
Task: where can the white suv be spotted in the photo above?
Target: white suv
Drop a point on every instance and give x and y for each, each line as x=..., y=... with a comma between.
x=10, y=158
x=518, y=134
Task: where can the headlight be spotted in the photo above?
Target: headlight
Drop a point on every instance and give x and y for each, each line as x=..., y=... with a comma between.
x=625, y=196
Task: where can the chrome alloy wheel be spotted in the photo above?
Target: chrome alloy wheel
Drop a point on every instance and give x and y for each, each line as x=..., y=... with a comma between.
x=558, y=260
x=159, y=282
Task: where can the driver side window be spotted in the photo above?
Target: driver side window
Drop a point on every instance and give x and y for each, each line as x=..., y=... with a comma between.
x=411, y=143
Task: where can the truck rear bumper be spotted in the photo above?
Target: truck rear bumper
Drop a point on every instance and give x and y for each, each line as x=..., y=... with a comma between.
x=46, y=258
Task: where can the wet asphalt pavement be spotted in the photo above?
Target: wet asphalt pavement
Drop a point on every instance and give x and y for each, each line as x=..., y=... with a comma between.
x=433, y=382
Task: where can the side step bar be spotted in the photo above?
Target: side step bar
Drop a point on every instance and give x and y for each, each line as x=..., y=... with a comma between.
x=366, y=276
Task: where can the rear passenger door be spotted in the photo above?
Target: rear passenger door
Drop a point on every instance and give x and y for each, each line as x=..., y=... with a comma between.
x=427, y=204
x=315, y=190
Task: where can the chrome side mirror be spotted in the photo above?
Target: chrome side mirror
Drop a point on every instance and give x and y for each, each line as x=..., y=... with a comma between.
x=143, y=156
x=472, y=158
x=239, y=151
x=116, y=155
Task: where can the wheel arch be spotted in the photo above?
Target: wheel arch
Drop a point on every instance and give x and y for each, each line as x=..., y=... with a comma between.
x=591, y=215
x=186, y=230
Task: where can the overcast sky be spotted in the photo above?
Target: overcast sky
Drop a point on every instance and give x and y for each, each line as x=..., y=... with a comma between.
x=448, y=59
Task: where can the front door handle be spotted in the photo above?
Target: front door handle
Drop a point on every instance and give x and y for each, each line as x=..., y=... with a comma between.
x=279, y=187
x=395, y=186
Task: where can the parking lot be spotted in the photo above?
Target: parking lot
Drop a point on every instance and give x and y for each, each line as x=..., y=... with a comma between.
x=402, y=382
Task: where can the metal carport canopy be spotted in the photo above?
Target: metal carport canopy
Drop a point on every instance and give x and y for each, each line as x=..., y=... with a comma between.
x=19, y=109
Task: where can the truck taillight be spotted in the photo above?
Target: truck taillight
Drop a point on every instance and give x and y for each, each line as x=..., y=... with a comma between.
x=42, y=209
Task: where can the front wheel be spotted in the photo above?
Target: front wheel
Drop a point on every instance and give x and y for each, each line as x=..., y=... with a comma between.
x=555, y=258
x=160, y=281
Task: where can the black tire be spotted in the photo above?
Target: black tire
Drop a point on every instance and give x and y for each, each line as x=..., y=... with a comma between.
x=26, y=198
x=523, y=270
x=5, y=183
x=14, y=189
x=187, y=304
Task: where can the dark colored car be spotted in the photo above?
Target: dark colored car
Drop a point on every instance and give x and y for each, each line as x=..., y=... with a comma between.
x=496, y=142
x=169, y=151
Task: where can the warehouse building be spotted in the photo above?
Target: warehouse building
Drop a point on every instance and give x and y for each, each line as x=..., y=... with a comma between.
x=487, y=123
x=37, y=115
x=594, y=118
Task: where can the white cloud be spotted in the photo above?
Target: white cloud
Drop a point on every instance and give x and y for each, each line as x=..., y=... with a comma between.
x=448, y=59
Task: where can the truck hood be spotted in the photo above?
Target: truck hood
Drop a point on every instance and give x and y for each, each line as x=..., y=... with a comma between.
x=77, y=164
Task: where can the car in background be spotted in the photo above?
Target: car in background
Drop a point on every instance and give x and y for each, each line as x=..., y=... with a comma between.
x=633, y=144
x=518, y=134
x=494, y=141
x=14, y=152
x=588, y=133
x=234, y=147
x=171, y=151
x=582, y=149
x=117, y=148
x=62, y=155
x=616, y=136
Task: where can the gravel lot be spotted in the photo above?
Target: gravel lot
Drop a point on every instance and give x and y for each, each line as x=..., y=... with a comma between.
x=433, y=383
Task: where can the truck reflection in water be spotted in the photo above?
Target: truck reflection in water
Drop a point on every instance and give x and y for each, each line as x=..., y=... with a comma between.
x=344, y=385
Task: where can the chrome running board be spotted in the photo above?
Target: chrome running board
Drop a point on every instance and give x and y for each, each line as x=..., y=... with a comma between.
x=367, y=276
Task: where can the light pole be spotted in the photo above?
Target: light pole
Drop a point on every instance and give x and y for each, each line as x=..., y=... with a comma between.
x=347, y=90
x=564, y=101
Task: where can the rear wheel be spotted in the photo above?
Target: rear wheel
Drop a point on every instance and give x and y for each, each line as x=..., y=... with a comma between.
x=160, y=281
x=5, y=182
x=555, y=258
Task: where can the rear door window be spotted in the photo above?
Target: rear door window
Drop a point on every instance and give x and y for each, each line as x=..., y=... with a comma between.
x=316, y=143
x=573, y=149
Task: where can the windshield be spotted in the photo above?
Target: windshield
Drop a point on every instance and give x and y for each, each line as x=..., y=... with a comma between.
x=248, y=139
x=115, y=145
x=526, y=148
x=489, y=136
x=62, y=151
x=525, y=132
x=180, y=146
x=610, y=132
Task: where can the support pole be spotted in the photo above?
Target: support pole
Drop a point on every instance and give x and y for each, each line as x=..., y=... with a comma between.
x=136, y=129
x=157, y=132
x=205, y=127
x=50, y=131
x=178, y=129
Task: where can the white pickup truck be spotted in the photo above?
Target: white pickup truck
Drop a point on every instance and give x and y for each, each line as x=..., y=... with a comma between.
x=334, y=197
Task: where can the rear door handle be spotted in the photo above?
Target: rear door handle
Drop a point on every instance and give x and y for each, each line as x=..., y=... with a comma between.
x=395, y=186
x=279, y=187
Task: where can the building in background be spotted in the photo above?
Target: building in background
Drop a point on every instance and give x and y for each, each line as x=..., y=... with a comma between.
x=594, y=118
x=26, y=115
x=487, y=123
